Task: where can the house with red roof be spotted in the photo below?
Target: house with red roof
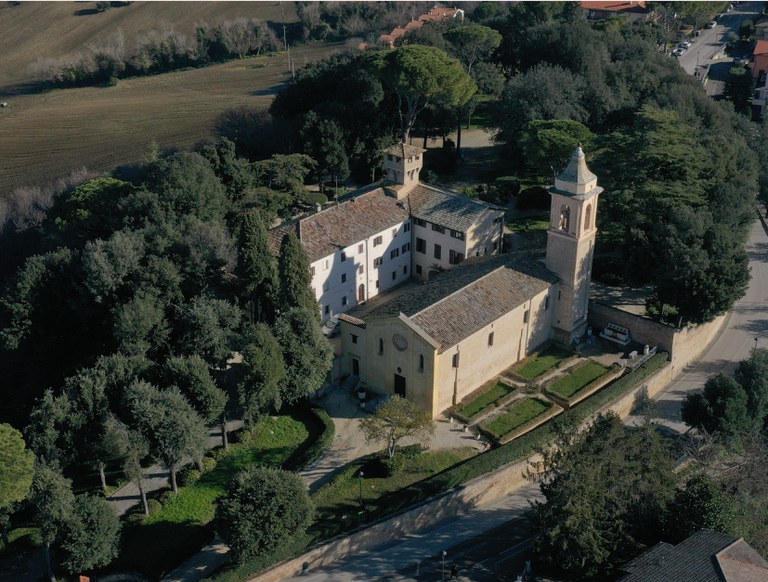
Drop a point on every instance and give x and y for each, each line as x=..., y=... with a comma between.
x=633, y=10
x=759, y=64
x=437, y=14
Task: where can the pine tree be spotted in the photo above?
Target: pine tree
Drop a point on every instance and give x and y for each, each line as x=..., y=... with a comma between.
x=294, y=276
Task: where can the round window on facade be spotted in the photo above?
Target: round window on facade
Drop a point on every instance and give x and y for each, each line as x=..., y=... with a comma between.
x=400, y=343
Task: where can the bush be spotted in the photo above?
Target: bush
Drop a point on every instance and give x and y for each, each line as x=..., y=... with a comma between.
x=209, y=464
x=135, y=518
x=505, y=188
x=308, y=455
x=188, y=476
x=165, y=498
x=155, y=505
x=395, y=464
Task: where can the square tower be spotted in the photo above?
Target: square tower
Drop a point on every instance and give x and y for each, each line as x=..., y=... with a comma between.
x=571, y=244
x=402, y=164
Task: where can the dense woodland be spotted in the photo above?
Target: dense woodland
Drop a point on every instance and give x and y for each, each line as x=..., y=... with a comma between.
x=124, y=301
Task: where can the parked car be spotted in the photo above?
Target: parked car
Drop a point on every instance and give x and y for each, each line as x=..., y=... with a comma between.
x=712, y=24
x=678, y=52
x=685, y=44
x=331, y=327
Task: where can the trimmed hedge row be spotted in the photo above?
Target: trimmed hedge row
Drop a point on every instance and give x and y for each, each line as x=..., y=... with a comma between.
x=523, y=446
x=324, y=430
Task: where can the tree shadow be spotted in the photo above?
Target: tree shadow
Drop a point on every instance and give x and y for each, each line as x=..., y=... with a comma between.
x=85, y=12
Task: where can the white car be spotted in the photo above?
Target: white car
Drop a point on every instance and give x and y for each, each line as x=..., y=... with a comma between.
x=331, y=327
x=685, y=45
x=712, y=24
x=678, y=52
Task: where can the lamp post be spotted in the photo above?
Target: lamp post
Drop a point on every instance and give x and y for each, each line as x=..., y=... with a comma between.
x=442, y=577
x=360, y=475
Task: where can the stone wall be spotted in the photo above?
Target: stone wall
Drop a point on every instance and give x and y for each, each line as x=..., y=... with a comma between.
x=684, y=345
x=689, y=345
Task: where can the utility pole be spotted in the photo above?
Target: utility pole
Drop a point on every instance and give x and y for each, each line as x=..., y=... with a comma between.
x=285, y=39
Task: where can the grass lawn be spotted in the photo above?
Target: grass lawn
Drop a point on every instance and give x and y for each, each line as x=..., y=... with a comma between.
x=517, y=415
x=537, y=222
x=543, y=362
x=182, y=526
x=577, y=379
x=485, y=399
x=338, y=504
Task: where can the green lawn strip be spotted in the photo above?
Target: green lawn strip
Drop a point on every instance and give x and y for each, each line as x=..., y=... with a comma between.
x=182, y=526
x=543, y=362
x=464, y=471
x=532, y=222
x=517, y=415
x=485, y=399
x=338, y=504
x=577, y=378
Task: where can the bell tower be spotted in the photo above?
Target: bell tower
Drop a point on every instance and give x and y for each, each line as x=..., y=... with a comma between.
x=571, y=244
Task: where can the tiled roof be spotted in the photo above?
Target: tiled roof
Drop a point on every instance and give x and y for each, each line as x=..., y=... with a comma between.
x=328, y=231
x=446, y=209
x=616, y=6
x=761, y=47
x=403, y=150
x=462, y=300
x=703, y=557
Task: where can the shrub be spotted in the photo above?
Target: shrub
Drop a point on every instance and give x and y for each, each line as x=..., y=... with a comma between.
x=155, y=505
x=188, y=476
x=165, y=498
x=505, y=188
x=395, y=464
x=536, y=198
x=326, y=430
x=209, y=464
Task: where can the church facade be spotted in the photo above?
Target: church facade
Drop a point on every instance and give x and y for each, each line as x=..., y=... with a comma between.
x=437, y=343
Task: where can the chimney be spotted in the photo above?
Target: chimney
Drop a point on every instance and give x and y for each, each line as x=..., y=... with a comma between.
x=319, y=207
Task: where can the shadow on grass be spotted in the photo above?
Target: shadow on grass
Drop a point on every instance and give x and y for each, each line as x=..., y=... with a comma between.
x=155, y=549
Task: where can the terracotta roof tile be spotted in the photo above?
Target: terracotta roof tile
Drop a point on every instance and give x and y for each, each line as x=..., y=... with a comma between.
x=404, y=150
x=761, y=47
x=447, y=209
x=462, y=300
x=616, y=6
x=339, y=227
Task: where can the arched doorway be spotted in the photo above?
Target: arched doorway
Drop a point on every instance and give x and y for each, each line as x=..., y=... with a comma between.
x=361, y=293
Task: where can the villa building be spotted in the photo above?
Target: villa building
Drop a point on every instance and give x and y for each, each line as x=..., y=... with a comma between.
x=389, y=233
x=438, y=342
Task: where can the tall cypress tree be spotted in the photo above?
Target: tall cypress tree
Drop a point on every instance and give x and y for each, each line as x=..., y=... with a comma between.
x=294, y=276
x=256, y=268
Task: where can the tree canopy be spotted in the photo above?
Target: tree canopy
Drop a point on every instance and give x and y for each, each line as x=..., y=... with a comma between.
x=395, y=420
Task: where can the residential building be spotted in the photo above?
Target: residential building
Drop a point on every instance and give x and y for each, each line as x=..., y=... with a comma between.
x=369, y=242
x=438, y=342
x=706, y=556
x=436, y=14
x=633, y=10
x=759, y=64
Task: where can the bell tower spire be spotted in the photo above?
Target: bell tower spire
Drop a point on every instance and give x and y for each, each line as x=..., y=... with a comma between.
x=571, y=244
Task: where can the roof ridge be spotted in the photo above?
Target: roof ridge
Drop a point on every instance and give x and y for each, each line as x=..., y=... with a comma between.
x=449, y=192
x=460, y=289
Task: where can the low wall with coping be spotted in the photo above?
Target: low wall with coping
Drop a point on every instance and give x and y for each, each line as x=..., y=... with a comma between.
x=485, y=489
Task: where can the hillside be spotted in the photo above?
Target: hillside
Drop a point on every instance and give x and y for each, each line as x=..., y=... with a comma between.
x=32, y=30
x=44, y=136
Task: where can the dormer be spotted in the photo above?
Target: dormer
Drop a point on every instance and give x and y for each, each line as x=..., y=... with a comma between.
x=402, y=164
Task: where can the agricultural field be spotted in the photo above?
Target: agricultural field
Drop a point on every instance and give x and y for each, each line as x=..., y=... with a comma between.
x=44, y=136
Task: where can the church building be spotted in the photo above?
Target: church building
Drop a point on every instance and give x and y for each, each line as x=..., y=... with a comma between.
x=438, y=342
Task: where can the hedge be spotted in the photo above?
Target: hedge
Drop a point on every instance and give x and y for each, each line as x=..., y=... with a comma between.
x=321, y=426
x=523, y=446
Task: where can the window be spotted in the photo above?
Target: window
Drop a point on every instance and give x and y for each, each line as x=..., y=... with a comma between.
x=406, y=248
x=343, y=277
x=438, y=228
x=377, y=284
x=565, y=217
x=455, y=361
x=381, y=346
x=546, y=303
x=343, y=256
x=438, y=251
x=559, y=295
x=526, y=316
x=410, y=160
x=421, y=362
x=360, y=248
x=421, y=245
x=394, y=253
x=407, y=227
x=343, y=300
x=325, y=265
x=326, y=286
x=354, y=338
x=377, y=241
x=361, y=269
x=314, y=292
x=418, y=269
x=490, y=339
x=457, y=234
x=327, y=309
x=394, y=232
x=405, y=269
x=377, y=262
x=394, y=275
x=455, y=258
x=312, y=271
x=420, y=222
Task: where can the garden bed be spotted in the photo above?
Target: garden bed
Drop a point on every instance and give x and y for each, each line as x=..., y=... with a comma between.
x=586, y=390
x=519, y=415
x=491, y=397
x=576, y=379
x=539, y=363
